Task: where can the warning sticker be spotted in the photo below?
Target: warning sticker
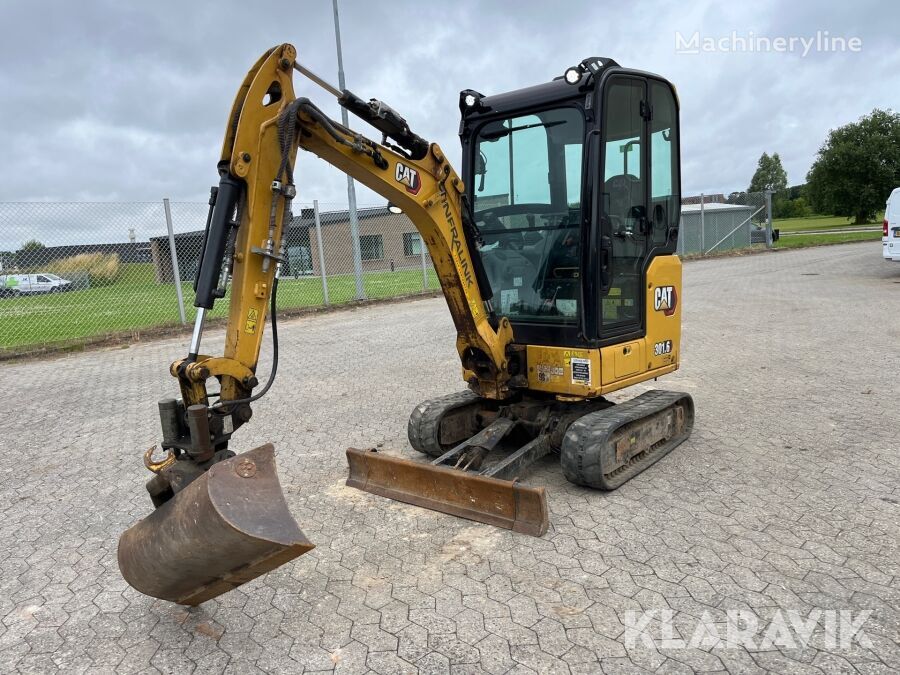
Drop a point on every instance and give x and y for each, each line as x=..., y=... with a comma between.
x=252, y=321
x=546, y=372
x=581, y=371
x=508, y=298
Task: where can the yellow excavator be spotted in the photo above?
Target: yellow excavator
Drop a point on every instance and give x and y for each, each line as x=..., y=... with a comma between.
x=555, y=252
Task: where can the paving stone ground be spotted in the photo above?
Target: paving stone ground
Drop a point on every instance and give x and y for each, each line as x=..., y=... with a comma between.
x=786, y=498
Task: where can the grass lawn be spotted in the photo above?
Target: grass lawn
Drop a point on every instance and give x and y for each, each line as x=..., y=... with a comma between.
x=817, y=223
x=820, y=239
x=135, y=301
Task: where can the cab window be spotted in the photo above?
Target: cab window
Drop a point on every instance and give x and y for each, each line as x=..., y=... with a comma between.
x=623, y=203
x=527, y=206
x=664, y=180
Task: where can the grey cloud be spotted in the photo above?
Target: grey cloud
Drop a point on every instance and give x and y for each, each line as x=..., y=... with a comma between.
x=111, y=101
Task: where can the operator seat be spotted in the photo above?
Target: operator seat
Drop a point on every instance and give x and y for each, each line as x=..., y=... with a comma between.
x=625, y=191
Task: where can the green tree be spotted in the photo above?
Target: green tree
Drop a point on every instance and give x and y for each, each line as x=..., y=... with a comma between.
x=770, y=175
x=857, y=167
x=783, y=207
x=797, y=191
x=32, y=245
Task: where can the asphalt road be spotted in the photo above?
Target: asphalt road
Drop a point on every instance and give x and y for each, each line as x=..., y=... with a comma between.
x=782, y=510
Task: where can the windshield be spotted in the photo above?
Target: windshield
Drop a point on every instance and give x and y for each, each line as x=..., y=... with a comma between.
x=527, y=204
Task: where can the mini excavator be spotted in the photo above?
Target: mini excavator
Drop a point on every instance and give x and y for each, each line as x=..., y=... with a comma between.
x=555, y=252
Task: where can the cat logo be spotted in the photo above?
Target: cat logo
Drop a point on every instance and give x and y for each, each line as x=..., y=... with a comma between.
x=665, y=300
x=409, y=177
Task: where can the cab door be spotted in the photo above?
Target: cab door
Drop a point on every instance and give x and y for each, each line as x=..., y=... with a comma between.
x=623, y=218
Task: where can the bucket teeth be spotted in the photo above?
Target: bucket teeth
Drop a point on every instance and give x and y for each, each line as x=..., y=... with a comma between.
x=225, y=528
x=502, y=503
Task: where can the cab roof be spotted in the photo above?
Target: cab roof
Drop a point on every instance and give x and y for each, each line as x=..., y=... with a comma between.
x=539, y=95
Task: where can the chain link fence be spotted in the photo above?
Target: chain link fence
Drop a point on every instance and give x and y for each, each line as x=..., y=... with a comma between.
x=718, y=223
x=74, y=273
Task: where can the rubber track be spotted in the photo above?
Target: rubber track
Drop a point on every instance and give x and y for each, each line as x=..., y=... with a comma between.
x=587, y=450
x=424, y=425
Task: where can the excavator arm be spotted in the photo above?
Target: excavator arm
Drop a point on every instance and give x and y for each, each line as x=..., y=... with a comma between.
x=232, y=504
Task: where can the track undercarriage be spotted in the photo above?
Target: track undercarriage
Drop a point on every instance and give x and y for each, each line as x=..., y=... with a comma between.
x=481, y=449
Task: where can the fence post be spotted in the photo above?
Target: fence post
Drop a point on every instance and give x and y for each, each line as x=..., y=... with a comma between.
x=768, y=218
x=702, y=226
x=321, y=251
x=173, y=254
x=424, y=263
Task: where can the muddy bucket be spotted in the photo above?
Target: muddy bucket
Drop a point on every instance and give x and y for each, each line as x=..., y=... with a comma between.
x=227, y=527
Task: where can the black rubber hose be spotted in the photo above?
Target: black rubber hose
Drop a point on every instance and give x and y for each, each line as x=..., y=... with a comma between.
x=217, y=407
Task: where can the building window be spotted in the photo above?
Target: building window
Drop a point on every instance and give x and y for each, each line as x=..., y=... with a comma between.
x=371, y=247
x=412, y=244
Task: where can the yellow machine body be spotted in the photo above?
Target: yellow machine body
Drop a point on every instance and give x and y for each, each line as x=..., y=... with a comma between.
x=551, y=370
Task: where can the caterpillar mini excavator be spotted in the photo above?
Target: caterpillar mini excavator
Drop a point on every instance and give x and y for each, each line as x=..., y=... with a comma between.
x=555, y=252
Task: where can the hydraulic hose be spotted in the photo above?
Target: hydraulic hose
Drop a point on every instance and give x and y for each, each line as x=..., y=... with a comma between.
x=220, y=405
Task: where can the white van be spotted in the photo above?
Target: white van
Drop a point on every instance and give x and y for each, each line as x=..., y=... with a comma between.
x=890, y=235
x=29, y=284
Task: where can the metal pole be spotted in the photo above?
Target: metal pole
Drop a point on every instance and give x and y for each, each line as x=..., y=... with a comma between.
x=424, y=263
x=768, y=218
x=173, y=254
x=321, y=251
x=351, y=188
x=702, y=227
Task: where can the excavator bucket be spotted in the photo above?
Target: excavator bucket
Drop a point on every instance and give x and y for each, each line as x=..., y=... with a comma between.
x=502, y=503
x=225, y=528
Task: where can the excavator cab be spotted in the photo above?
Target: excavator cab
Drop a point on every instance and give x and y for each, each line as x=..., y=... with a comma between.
x=574, y=188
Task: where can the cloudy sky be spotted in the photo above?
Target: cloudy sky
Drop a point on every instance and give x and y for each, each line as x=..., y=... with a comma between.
x=107, y=100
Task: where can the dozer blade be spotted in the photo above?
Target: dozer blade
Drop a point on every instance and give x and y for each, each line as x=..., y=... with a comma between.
x=225, y=528
x=502, y=503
